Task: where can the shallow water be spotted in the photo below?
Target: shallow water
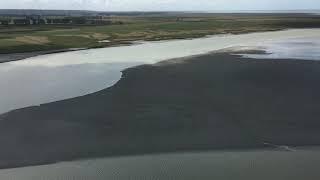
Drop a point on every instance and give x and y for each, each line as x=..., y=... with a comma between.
x=54, y=77
x=245, y=165
x=32, y=85
x=293, y=48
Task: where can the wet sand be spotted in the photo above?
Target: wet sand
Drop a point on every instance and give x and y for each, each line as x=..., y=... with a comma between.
x=206, y=102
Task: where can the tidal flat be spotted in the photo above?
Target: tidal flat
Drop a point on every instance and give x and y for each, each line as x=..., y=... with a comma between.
x=208, y=102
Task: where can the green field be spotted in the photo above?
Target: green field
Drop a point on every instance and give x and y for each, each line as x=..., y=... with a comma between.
x=15, y=39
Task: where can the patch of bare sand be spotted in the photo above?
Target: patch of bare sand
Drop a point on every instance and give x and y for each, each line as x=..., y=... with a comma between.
x=63, y=30
x=97, y=36
x=32, y=39
x=74, y=35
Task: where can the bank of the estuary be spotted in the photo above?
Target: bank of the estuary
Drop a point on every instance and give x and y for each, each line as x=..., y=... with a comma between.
x=59, y=76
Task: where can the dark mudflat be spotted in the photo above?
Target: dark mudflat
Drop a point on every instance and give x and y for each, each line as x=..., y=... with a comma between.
x=215, y=101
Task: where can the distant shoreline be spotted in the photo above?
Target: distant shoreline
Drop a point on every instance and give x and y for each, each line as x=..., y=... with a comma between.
x=147, y=26
x=4, y=58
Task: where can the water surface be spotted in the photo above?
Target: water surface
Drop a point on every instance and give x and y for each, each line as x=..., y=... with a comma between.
x=54, y=77
x=292, y=48
x=237, y=165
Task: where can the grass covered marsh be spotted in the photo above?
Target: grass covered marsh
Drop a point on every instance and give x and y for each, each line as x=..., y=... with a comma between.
x=16, y=39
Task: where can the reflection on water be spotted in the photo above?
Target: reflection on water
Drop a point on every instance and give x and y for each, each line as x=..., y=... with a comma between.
x=22, y=86
x=54, y=77
x=295, y=48
x=249, y=165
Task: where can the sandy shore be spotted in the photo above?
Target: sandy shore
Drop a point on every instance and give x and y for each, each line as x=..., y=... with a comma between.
x=207, y=102
x=20, y=56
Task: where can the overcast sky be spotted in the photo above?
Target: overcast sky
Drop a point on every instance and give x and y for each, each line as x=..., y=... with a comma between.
x=161, y=5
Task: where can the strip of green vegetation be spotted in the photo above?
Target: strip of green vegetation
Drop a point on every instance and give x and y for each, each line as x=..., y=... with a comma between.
x=56, y=37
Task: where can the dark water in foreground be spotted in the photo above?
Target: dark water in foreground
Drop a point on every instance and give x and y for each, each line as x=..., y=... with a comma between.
x=250, y=165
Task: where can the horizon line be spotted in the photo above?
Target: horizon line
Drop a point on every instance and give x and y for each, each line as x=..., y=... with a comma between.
x=248, y=10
